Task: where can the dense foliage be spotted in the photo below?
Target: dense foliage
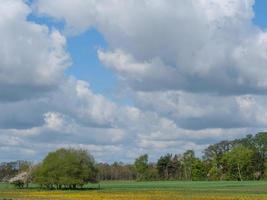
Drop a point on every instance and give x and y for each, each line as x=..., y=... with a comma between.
x=241, y=159
x=68, y=168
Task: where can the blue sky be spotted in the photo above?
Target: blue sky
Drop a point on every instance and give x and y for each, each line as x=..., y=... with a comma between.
x=121, y=78
x=86, y=65
x=260, y=8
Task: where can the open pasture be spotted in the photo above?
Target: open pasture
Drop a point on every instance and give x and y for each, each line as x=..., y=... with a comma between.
x=159, y=190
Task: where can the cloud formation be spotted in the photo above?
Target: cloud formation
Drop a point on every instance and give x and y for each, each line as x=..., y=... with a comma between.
x=201, y=46
x=195, y=71
x=33, y=58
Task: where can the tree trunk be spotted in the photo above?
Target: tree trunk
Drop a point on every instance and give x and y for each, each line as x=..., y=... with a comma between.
x=239, y=172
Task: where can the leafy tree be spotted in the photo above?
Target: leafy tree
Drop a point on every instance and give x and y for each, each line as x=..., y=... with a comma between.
x=260, y=158
x=188, y=160
x=66, y=167
x=213, y=158
x=238, y=162
x=258, y=144
x=199, y=170
x=177, y=168
x=165, y=166
x=141, y=166
x=214, y=174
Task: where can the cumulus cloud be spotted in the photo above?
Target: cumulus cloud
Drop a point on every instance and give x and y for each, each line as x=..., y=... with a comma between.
x=215, y=48
x=194, y=69
x=202, y=111
x=33, y=58
x=74, y=124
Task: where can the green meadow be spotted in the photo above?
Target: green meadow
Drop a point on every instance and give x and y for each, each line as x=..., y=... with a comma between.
x=127, y=190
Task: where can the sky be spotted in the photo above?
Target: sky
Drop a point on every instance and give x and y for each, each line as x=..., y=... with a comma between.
x=122, y=78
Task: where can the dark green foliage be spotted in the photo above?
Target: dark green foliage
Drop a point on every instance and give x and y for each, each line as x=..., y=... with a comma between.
x=18, y=184
x=141, y=166
x=185, y=167
x=214, y=153
x=224, y=159
x=199, y=170
x=241, y=159
x=67, y=168
x=166, y=167
x=152, y=172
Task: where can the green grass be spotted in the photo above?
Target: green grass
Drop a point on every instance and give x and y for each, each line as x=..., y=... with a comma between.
x=157, y=190
x=245, y=187
x=200, y=186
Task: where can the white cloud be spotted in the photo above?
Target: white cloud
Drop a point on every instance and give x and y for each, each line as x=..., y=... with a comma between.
x=33, y=58
x=201, y=46
x=202, y=111
x=192, y=68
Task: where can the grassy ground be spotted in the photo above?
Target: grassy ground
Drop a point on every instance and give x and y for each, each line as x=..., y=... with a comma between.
x=169, y=190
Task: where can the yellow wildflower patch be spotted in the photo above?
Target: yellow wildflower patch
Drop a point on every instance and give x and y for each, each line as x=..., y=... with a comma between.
x=121, y=195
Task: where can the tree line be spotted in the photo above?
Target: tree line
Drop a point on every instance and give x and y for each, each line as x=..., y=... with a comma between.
x=240, y=159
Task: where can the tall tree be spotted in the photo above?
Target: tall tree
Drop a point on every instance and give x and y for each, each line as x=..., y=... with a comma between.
x=165, y=166
x=238, y=163
x=213, y=158
x=199, y=170
x=188, y=160
x=261, y=152
x=141, y=166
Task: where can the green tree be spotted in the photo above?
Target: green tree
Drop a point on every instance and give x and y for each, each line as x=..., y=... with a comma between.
x=258, y=144
x=66, y=167
x=213, y=158
x=177, y=172
x=188, y=160
x=165, y=166
x=141, y=166
x=238, y=163
x=199, y=170
x=260, y=157
x=214, y=173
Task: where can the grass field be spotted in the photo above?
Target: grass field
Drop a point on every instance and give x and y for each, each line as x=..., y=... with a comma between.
x=167, y=190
